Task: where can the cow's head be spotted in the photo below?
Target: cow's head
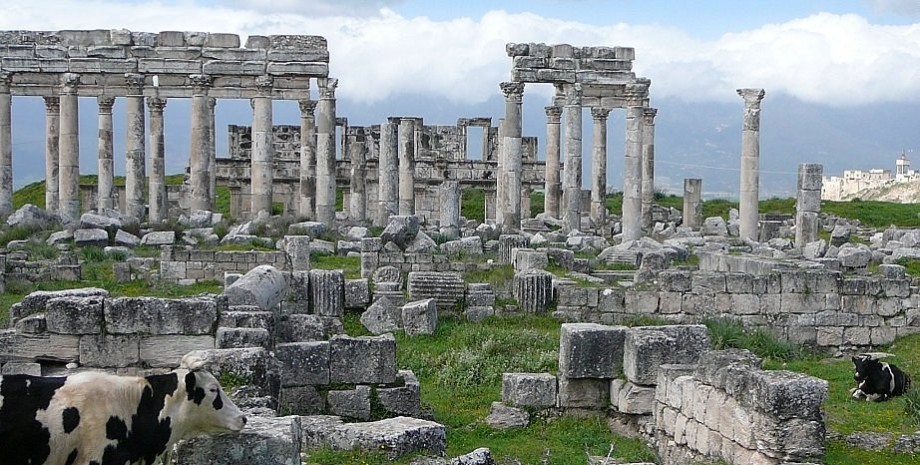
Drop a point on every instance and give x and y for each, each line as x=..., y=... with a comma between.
x=864, y=365
x=208, y=408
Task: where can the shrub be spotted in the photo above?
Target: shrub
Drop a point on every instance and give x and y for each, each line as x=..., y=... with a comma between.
x=912, y=404
x=92, y=254
x=725, y=333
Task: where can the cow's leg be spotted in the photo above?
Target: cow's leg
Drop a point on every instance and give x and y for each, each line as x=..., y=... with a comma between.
x=857, y=393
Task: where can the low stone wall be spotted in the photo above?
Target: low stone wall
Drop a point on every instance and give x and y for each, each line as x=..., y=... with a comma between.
x=408, y=261
x=182, y=266
x=16, y=267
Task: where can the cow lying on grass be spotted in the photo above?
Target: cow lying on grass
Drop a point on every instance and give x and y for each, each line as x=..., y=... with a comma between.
x=101, y=419
x=877, y=380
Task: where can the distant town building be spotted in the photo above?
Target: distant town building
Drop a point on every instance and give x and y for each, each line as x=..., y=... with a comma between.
x=848, y=186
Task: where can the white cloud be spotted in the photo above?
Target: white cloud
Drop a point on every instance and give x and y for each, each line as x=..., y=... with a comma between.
x=836, y=59
x=901, y=7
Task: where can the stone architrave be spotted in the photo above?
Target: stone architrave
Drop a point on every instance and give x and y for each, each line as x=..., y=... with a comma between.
x=6, y=146
x=262, y=148
x=212, y=152
x=808, y=204
x=105, y=192
x=632, y=162
x=357, y=198
x=750, y=162
x=512, y=156
x=307, y=159
x=572, y=187
x=553, y=187
x=406, y=166
x=693, y=203
x=69, y=150
x=52, y=133
x=135, y=146
x=387, y=173
x=599, y=168
x=325, y=152
x=199, y=179
x=157, y=181
x=648, y=166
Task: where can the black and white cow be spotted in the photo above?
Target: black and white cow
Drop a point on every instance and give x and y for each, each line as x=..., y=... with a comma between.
x=100, y=419
x=877, y=380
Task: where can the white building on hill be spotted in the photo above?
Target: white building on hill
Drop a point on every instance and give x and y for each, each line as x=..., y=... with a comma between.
x=846, y=187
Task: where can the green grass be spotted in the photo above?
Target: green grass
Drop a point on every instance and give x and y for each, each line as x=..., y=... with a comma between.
x=537, y=203
x=912, y=267
x=729, y=333
x=499, y=277
x=473, y=204
x=839, y=453
x=350, y=265
x=876, y=214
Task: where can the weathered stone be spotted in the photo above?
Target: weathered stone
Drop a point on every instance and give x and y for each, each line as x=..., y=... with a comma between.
x=264, y=441
x=167, y=351
x=301, y=400
x=151, y=315
x=159, y=238
x=297, y=249
x=109, y=350
x=646, y=348
x=36, y=302
x=536, y=390
x=21, y=368
x=715, y=226
x=447, y=289
x=232, y=338
x=387, y=274
x=357, y=293
x=69, y=315
x=401, y=230
x=503, y=417
x=300, y=327
x=382, y=317
x=481, y=456
x=90, y=238
x=313, y=229
x=420, y=317
x=589, y=393
x=253, y=366
x=354, y=403
x=263, y=286
x=404, y=400
x=327, y=292
x=533, y=290
x=589, y=350
x=304, y=363
x=394, y=437
x=31, y=217
x=362, y=360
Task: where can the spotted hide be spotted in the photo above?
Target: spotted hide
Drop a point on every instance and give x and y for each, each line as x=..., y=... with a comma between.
x=100, y=419
x=877, y=380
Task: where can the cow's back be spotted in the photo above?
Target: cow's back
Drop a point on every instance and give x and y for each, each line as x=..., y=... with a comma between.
x=23, y=398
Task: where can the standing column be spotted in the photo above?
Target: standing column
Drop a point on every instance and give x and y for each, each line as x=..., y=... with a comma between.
x=134, y=145
x=325, y=152
x=498, y=203
x=105, y=184
x=572, y=210
x=599, y=168
x=69, y=150
x=406, y=166
x=693, y=203
x=6, y=146
x=307, y=159
x=159, y=202
x=648, y=166
x=632, y=163
x=808, y=204
x=750, y=162
x=357, y=198
x=212, y=158
x=450, y=208
x=512, y=151
x=261, y=175
x=553, y=188
x=199, y=152
x=387, y=173
x=52, y=134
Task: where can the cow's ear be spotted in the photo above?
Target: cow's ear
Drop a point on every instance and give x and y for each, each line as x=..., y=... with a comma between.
x=192, y=361
x=853, y=358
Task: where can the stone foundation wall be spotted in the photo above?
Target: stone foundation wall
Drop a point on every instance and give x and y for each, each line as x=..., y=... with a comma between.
x=189, y=267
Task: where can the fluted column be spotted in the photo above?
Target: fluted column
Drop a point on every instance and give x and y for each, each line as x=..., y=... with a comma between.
x=52, y=145
x=387, y=173
x=261, y=175
x=572, y=211
x=212, y=158
x=6, y=146
x=135, y=156
x=105, y=183
x=325, y=152
x=553, y=188
x=648, y=166
x=159, y=209
x=406, y=166
x=69, y=150
x=357, y=191
x=599, y=167
x=750, y=162
x=199, y=152
x=512, y=151
x=307, y=159
x=632, y=162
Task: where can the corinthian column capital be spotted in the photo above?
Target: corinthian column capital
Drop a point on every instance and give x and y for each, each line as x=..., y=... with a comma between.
x=514, y=91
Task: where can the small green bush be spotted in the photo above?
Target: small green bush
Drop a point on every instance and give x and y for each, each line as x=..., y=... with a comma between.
x=92, y=254
x=725, y=333
x=912, y=404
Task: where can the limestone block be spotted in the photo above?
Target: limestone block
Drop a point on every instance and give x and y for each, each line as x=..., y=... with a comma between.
x=636, y=400
x=715, y=226
x=527, y=259
x=310, y=228
x=74, y=315
x=90, y=238
x=394, y=437
x=400, y=230
x=254, y=366
x=536, y=390
x=362, y=360
x=404, y=400
x=387, y=274
x=21, y=368
x=158, y=238
x=589, y=350
x=464, y=247
x=301, y=400
x=422, y=243
x=28, y=348
x=357, y=293
x=304, y=363
x=264, y=441
x=420, y=317
x=232, y=338
x=327, y=292
x=167, y=351
x=263, y=286
x=854, y=256
x=533, y=290
x=712, y=366
x=507, y=243
x=297, y=249
x=447, y=289
x=32, y=324
x=502, y=417
x=382, y=317
x=247, y=317
x=151, y=315
x=589, y=393
x=30, y=216
x=300, y=327
x=353, y=403
x=109, y=350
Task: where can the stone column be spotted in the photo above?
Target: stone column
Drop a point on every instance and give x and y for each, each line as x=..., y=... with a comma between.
x=808, y=204
x=52, y=145
x=533, y=290
x=572, y=209
x=159, y=202
x=307, y=159
x=357, y=198
x=261, y=176
x=105, y=184
x=632, y=163
x=135, y=156
x=648, y=166
x=498, y=204
x=450, y=207
x=325, y=152
x=212, y=159
x=406, y=166
x=750, y=162
x=599, y=168
x=512, y=153
x=199, y=153
x=553, y=188
x=6, y=146
x=327, y=292
x=693, y=203
x=387, y=173
x=69, y=150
